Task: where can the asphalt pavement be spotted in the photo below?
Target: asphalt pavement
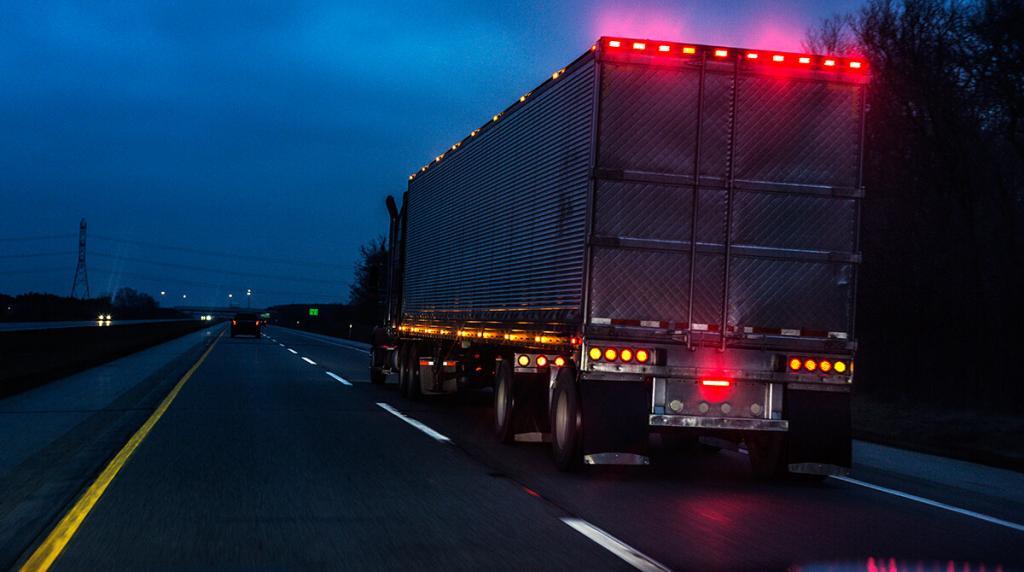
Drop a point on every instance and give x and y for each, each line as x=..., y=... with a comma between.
x=279, y=453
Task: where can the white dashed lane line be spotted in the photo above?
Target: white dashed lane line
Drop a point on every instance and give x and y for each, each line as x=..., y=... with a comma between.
x=307, y=360
x=627, y=553
x=433, y=434
x=340, y=379
x=293, y=351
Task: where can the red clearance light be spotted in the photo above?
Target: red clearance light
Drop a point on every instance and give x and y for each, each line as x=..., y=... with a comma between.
x=795, y=363
x=752, y=56
x=626, y=354
x=642, y=356
x=610, y=354
x=830, y=63
x=721, y=53
x=542, y=361
x=639, y=46
x=810, y=365
x=805, y=60
x=715, y=382
x=614, y=44
x=855, y=65
x=778, y=58
x=689, y=50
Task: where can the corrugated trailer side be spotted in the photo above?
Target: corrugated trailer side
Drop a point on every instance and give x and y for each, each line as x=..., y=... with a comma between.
x=495, y=231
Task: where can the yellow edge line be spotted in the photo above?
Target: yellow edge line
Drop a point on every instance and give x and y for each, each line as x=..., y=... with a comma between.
x=47, y=552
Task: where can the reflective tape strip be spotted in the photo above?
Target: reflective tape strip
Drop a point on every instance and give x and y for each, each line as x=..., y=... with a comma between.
x=601, y=321
x=788, y=332
x=700, y=327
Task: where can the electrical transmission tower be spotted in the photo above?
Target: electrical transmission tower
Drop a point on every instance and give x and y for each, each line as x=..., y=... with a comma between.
x=81, y=276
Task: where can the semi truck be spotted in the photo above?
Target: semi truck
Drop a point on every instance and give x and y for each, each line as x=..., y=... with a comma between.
x=658, y=243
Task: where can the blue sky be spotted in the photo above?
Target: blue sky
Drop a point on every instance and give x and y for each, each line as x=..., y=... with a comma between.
x=272, y=130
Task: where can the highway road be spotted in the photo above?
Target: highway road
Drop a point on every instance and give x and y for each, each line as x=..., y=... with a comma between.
x=278, y=453
x=21, y=326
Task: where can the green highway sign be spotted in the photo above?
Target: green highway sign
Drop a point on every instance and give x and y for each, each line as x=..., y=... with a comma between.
x=314, y=311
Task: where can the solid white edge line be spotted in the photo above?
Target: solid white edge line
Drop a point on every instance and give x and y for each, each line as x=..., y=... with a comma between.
x=627, y=553
x=936, y=504
x=293, y=351
x=307, y=360
x=339, y=378
x=433, y=434
x=322, y=340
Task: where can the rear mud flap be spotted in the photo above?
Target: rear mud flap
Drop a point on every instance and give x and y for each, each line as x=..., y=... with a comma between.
x=819, y=431
x=615, y=417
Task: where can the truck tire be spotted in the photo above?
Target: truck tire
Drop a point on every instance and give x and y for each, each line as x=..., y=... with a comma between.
x=505, y=403
x=377, y=375
x=411, y=387
x=566, y=415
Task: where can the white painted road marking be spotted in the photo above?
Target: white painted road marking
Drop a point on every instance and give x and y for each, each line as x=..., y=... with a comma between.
x=307, y=360
x=339, y=378
x=414, y=423
x=280, y=344
x=323, y=339
x=936, y=504
x=630, y=555
x=293, y=351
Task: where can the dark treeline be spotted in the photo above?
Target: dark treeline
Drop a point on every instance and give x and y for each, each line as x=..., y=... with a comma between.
x=938, y=299
x=125, y=304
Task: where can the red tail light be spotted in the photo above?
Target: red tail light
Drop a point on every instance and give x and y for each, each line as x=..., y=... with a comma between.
x=794, y=364
x=542, y=361
x=715, y=382
x=626, y=354
x=610, y=354
x=234, y=322
x=826, y=366
x=559, y=361
x=642, y=356
x=810, y=365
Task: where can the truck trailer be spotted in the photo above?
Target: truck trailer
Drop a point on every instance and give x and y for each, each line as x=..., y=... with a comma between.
x=658, y=243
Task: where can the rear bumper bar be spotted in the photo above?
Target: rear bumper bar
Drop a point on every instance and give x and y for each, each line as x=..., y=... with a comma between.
x=718, y=422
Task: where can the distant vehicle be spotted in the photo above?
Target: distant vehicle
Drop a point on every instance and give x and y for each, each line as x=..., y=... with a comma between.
x=660, y=242
x=246, y=324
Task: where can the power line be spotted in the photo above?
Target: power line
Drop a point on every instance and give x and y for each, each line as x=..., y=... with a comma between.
x=208, y=269
x=171, y=280
x=34, y=238
x=203, y=252
x=36, y=255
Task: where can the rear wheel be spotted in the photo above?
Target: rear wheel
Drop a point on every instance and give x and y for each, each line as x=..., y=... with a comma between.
x=566, y=421
x=504, y=403
x=377, y=374
x=411, y=388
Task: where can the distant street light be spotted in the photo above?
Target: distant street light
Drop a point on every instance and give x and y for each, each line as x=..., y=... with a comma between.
x=184, y=296
x=163, y=292
x=248, y=298
x=230, y=295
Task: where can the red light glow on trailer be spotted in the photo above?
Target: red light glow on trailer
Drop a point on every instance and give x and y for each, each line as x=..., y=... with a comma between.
x=830, y=63
x=855, y=65
x=715, y=382
x=804, y=60
x=664, y=48
x=721, y=53
x=639, y=46
x=542, y=361
x=752, y=55
x=778, y=58
x=614, y=44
